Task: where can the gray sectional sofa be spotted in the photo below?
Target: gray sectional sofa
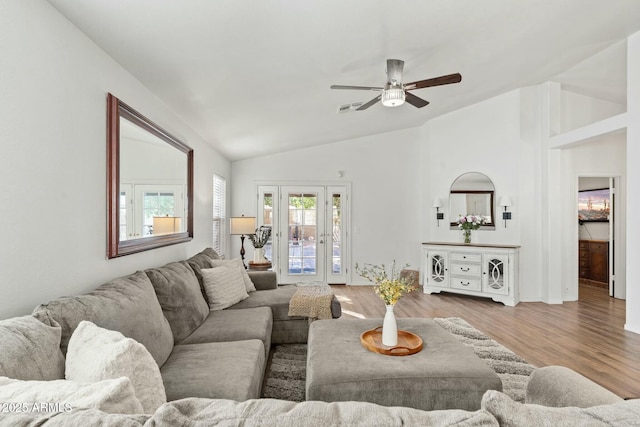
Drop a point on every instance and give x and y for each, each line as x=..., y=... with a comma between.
x=166, y=310
x=213, y=363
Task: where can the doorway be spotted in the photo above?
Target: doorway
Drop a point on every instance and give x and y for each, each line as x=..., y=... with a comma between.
x=310, y=225
x=597, y=230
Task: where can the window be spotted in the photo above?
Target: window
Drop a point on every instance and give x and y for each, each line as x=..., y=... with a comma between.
x=219, y=214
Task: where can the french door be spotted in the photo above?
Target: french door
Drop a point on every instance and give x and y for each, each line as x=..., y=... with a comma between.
x=309, y=231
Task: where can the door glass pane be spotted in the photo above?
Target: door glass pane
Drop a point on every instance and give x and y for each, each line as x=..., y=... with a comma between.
x=123, y=215
x=302, y=233
x=336, y=233
x=267, y=219
x=156, y=204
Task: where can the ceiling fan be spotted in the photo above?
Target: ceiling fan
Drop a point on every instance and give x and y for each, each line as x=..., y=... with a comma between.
x=395, y=93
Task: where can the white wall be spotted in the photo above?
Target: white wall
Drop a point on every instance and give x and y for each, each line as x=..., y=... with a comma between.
x=384, y=172
x=580, y=110
x=53, y=165
x=633, y=181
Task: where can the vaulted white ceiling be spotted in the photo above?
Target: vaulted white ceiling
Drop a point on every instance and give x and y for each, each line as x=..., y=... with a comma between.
x=253, y=76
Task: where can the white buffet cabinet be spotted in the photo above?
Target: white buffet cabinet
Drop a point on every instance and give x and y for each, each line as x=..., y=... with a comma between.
x=472, y=269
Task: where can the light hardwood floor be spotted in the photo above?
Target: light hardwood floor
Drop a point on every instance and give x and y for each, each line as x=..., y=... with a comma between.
x=587, y=336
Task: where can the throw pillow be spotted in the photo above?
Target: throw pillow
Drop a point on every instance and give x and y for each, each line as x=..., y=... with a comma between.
x=96, y=354
x=30, y=350
x=113, y=396
x=224, y=286
x=179, y=294
x=249, y=286
x=197, y=263
x=513, y=414
x=126, y=304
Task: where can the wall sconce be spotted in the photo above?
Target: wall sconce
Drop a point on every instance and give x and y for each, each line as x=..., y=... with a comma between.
x=505, y=202
x=439, y=215
x=243, y=225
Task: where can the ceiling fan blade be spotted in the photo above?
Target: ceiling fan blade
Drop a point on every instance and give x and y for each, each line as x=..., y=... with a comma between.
x=369, y=104
x=415, y=100
x=436, y=81
x=357, y=87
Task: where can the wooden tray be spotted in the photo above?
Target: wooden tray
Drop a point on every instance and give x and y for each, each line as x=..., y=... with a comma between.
x=408, y=343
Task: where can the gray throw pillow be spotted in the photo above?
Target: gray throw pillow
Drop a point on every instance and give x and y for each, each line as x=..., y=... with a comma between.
x=128, y=305
x=180, y=297
x=197, y=263
x=224, y=286
x=30, y=350
x=514, y=414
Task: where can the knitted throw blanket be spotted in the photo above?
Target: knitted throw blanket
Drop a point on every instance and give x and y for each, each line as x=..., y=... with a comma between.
x=312, y=301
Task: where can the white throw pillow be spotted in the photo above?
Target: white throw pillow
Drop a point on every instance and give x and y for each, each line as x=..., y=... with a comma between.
x=95, y=354
x=248, y=284
x=224, y=286
x=114, y=396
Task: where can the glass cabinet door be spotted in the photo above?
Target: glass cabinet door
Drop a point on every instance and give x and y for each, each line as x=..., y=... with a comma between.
x=495, y=278
x=438, y=269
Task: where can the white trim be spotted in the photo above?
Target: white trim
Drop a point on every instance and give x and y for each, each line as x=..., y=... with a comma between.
x=585, y=133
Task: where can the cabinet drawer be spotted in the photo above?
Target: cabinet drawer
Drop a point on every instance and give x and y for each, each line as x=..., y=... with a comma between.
x=585, y=274
x=466, y=283
x=598, y=247
x=465, y=269
x=460, y=256
x=583, y=244
x=584, y=263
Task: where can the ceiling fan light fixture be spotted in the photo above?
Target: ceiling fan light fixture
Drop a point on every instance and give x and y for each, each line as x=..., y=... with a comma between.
x=393, y=97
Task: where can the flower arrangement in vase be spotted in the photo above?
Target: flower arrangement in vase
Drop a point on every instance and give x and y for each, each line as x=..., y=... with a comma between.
x=470, y=222
x=258, y=240
x=390, y=287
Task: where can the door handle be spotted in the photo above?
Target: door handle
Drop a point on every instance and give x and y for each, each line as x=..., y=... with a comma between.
x=321, y=241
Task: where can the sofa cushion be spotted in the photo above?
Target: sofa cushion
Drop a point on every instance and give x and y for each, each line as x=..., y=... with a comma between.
x=237, y=262
x=114, y=396
x=276, y=413
x=30, y=350
x=180, y=297
x=224, y=286
x=96, y=354
x=278, y=299
x=513, y=414
x=235, y=325
x=199, y=261
x=224, y=370
x=128, y=305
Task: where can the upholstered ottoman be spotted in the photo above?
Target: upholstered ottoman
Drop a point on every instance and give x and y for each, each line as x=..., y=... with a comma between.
x=444, y=375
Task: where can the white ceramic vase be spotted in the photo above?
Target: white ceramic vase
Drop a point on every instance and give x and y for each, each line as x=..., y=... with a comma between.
x=258, y=255
x=389, y=328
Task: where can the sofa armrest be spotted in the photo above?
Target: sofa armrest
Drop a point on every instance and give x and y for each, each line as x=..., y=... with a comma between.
x=264, y=280
x=558, y=386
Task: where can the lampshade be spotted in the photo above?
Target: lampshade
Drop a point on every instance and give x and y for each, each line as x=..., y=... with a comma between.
x=166, y=225
x=393, y=97
x=437, y=203
x=505, y=201
x=243, y=225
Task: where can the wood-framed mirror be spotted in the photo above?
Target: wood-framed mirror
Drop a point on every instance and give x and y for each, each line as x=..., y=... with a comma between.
x=472, y=193
x=149, y=183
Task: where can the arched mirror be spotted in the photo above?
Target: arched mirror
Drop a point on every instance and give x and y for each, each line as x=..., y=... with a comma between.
x=472, y=193
x=150, y=183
